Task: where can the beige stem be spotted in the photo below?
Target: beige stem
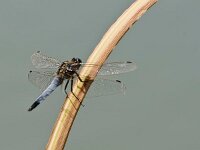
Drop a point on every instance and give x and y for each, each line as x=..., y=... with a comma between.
x=71, y=105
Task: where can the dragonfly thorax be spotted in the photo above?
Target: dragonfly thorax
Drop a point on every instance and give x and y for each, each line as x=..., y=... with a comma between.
x=68, y=68
x=74, y=65
x=62, y=69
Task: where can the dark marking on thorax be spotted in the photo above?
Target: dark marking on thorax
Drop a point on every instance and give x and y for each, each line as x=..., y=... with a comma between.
x=64, y=72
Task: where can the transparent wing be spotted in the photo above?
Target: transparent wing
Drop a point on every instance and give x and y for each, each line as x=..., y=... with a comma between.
x=102, y=87
x=41, y=79
x=42, y=61
x=117, y=68
x=114, y=67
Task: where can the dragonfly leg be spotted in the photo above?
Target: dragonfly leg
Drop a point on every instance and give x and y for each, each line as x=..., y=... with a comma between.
x=70, y=100
x=78, y=76
x=74, y=94
x=72, y=85
x=65, y=89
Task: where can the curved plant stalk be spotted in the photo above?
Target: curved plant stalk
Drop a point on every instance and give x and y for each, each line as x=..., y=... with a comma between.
x=111, y=38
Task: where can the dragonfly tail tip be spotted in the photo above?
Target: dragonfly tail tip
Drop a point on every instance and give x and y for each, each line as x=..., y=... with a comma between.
x=35, y=104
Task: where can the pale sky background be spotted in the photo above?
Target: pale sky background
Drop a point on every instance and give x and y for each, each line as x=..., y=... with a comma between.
x=160, y=110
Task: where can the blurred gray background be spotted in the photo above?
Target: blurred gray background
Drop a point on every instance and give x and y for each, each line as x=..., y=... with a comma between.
x=160, y=110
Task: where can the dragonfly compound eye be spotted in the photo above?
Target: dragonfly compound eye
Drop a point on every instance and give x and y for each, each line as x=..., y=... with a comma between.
x=76, y=60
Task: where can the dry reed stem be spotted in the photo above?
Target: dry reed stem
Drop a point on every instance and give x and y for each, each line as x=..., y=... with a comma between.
x=68, y=112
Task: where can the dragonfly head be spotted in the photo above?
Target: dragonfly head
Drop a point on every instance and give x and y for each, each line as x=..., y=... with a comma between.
x=75, y=65
x=76, y=60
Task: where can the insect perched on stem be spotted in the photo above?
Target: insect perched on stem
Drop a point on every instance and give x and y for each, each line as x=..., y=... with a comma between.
x=52, y=73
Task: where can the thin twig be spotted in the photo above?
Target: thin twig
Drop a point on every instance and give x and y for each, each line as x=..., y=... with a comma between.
x=111, y=38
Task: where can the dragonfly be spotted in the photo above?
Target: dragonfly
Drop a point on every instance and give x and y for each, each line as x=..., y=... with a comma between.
x=51, y=73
